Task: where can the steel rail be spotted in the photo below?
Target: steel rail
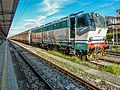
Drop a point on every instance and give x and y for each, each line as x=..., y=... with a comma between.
x=99, y=64
x=32, y=67
x=84, y=82
x=113, y=53
x=111, y=61
x=68, y=73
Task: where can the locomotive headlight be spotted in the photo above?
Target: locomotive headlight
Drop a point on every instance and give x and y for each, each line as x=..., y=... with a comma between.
x=90, y=39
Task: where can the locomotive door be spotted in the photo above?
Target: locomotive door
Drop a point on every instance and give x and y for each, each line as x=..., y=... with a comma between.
x=72, y=27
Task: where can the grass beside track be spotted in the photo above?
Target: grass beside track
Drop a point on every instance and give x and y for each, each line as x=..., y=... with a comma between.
x=113, y=69
x=116, y=49
x=72, y=58
x=77, y=71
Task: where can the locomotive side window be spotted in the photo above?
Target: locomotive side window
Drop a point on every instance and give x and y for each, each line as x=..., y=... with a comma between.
x=57, y=25
x=54, y=26
x=63, y=24
x=45, y=29
x=50, y=27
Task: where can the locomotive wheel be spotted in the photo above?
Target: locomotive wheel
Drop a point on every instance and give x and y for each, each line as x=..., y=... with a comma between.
x=79, y=55
x=101, y=53
x=84, y=57
x=91, y=56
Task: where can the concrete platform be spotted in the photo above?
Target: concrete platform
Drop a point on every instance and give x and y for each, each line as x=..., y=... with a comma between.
x=7, y=76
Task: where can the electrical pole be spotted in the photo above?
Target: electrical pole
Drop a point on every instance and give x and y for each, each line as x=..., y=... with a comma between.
x=116, y=36
x=113, y=30
x=113, y=27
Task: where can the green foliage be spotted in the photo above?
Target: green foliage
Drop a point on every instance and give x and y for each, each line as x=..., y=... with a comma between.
x=116, y=49
x=109, y=36
x=71, y=68
x=114, y=69
x=72, y=58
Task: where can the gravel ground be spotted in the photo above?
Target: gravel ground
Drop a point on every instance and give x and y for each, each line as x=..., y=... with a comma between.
x=100, y=82
x=27, y=79
x=55, y=78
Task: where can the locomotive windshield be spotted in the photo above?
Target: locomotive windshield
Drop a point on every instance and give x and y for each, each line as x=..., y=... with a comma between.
x=98, y=20
x=101, y=21
x=82, y=24
x=82, y=21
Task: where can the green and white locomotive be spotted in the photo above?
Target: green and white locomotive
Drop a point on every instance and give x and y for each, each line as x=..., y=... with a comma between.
x=80, y=34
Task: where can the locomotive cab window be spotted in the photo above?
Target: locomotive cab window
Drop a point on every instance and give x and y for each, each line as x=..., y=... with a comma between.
x=102, y=21
x=81, y=22
x=99, y=21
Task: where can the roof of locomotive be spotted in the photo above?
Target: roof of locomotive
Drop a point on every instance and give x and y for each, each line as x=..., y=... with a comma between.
x=36, y=29
x=62, y=19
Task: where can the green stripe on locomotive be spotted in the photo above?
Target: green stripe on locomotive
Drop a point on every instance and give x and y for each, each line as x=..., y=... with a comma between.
x=35, y=30
x=56, y=25
x=81, y=46
x=57, y=43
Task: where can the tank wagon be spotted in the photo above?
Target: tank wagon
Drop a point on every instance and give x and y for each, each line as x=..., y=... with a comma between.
x=80, y=34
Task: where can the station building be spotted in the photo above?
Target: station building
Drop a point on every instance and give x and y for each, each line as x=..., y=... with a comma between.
x=113, y=23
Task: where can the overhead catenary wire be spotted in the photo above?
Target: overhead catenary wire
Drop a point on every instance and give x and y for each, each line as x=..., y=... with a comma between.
x=52, y=7
x=55, y=5
x=29, y=5
x=22, y=9
x=106, y=6
x=112, y=10
x=64, y=8
x=86, y=6
x=23, y=12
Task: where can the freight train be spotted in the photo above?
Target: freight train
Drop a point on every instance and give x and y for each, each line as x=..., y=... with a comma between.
x=82, y=34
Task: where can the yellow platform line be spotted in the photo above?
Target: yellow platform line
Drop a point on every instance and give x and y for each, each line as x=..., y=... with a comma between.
x=4, y=74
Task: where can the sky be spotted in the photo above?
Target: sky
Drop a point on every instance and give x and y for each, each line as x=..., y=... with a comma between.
x=34, y=13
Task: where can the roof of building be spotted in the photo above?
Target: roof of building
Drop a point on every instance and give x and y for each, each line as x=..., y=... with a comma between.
x=110, y=17
x=7, y=11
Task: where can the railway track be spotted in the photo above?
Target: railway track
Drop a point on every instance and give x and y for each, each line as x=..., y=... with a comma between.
x=104, y=62
x=111, y=57
x=87, y=84
x=116, y=54
x=108, y=59
x=47, y=86
x=101, y=63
